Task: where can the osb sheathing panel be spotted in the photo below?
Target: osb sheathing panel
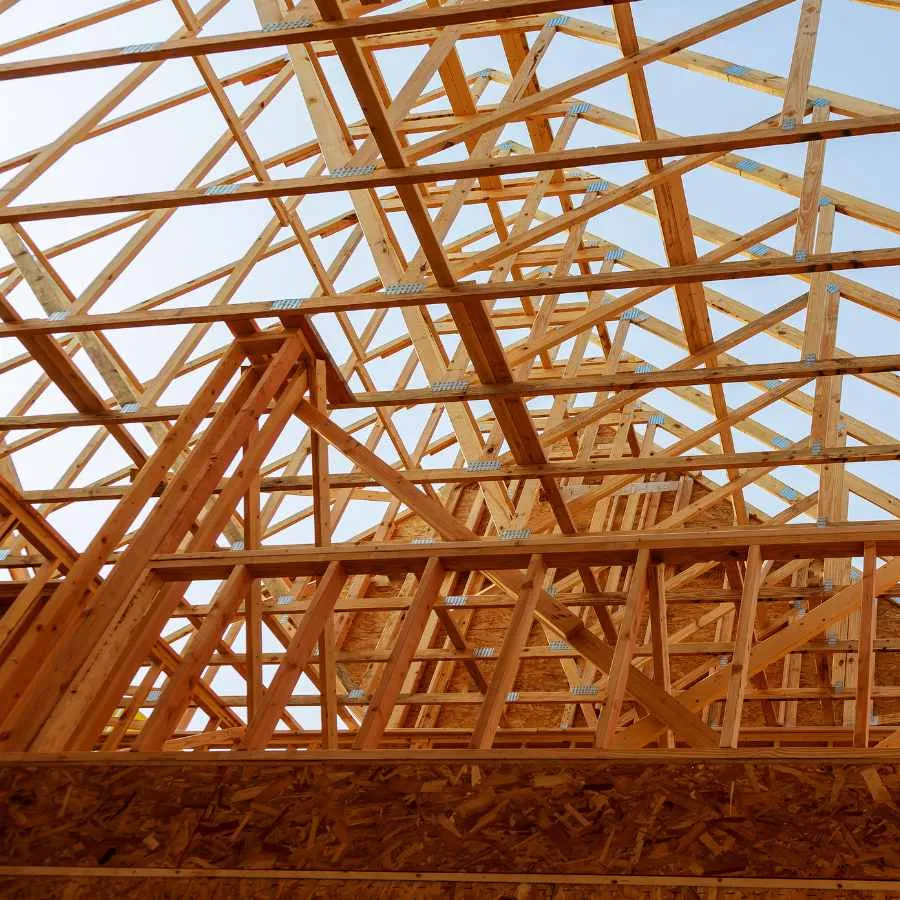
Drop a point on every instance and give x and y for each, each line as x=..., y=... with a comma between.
x=780, y=818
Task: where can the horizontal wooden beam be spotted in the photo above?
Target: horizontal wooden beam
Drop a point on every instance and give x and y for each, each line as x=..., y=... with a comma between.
x=722, y=142
x=687, y=648
x=298, y=30
x=660, y=757
x=615, y=548
x=772, y=594
x=451, y=738
x=535, y=387
x=539, y=387
x=884, y=4
x=800, y=456
x=779, y=543
x=466, y=292
x=536, y=697
x=76, y=874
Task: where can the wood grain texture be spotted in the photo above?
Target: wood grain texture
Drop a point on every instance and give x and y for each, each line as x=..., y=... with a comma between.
x=735, y=818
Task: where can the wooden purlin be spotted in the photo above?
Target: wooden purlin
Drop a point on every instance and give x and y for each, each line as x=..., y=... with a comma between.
x=265, y=188
x=554, y=561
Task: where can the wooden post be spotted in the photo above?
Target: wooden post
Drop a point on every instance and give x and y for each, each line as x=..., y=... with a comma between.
x=737, y=682
x=866, y=666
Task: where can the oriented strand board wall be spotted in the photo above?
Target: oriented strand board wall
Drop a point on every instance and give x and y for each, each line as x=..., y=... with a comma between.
x=719, y=815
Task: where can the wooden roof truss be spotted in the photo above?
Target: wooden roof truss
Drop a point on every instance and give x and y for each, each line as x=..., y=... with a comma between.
x=635, y=597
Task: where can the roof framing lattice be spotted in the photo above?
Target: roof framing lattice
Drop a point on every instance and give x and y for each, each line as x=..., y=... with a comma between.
x=483, y=467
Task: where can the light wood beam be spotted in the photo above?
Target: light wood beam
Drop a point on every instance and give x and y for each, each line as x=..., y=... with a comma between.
x=737, y=683
x=379, y=709
x=507, y=665
x=794, y=108
x=296, y=656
